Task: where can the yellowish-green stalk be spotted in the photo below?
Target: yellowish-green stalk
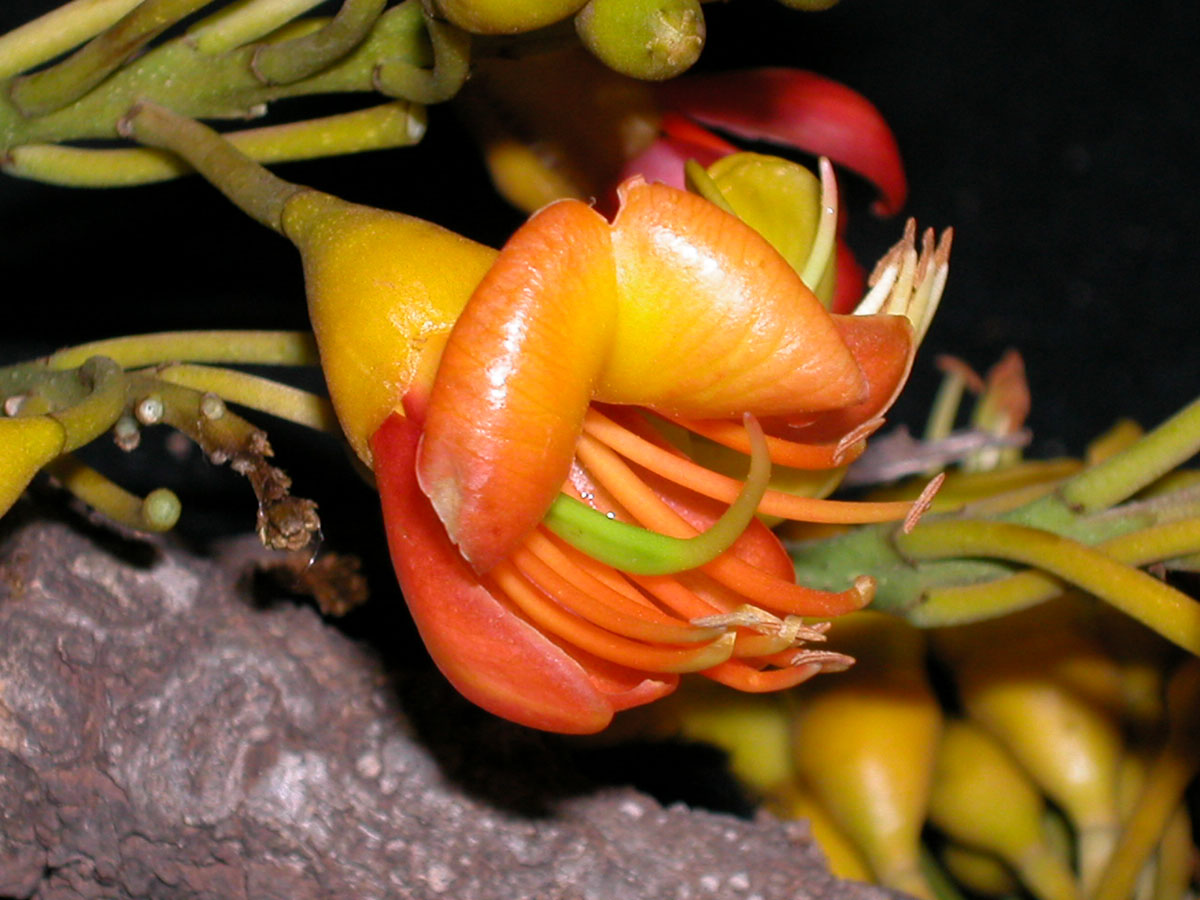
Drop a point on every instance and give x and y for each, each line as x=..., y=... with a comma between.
x=1164, y=609
x=244, y=21
x=1163, y=789
x=254, y=392
x=64, y=82
x=1158, y=452
x=57, y=31
x=389, y=125
x=283, y=62
x=279, y=348
x=158, y=511
x=971, y=602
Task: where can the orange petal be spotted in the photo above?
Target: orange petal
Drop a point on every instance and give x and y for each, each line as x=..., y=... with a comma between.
x=883, y=347
x=713, y=322
x=515, y=380
x=491, y=655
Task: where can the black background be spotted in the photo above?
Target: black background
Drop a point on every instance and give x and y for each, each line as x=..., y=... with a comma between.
x=1059, y=139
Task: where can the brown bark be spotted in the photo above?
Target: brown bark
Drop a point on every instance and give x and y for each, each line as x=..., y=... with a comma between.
x=166, y=734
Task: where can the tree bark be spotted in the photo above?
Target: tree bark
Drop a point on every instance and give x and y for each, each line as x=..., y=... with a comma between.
x=164, y=733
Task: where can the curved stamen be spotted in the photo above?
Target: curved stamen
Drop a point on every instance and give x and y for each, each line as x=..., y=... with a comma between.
x=755, y=585
x=551, y=617
x=638, y=550
x=743, y=677
x=599, y=604
x=712, y=484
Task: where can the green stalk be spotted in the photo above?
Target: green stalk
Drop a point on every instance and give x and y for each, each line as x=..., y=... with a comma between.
x=1171, y=613
x=245, y=21
x=253, y=392
x=396, y=124
x=1159, y=451
x=275, y=348
x=179, y=76
x=67, y=81
x=1163, y=789
x=959, y=604
x=946, y=403
x=286, y=61
x=256, y=191
x=451, y=46
x=158, y=511
x=56, y=32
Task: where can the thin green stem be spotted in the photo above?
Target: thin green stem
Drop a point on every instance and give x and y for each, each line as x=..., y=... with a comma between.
x=823, y=240
x=178, y=76
x=1171, y=613
x=275, y=348
x=644, y=552
x=286, y=61
x=284, y=521
x=973, y=602
x=1163, y=789
x=56, y=32
x=398, y=77
x=260, y=194
x=1156, y=453
x=245, y=21
x=396, y=124
x=944, y=411
x=158, y=511
x=86, y=420
x=67, y=81
x=253, y=392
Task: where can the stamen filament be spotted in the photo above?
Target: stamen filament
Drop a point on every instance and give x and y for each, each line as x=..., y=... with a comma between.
x=548, y=615
x=742, y=677
x=633, y=549
x=592, y=600
x=783, y=452
x=823, y=240
x=721, y=487
x=753, y=584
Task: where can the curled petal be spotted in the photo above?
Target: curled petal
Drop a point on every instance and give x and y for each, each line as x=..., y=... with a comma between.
x=713, y=321
x=491, y=655
x=883, y=347
x=515, y=380
x=488, y=651
x=802, y=110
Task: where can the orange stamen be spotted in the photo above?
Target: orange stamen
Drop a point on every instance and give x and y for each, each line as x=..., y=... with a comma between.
x=752, y=583
x=550, y=571
x=549, y=616
x=740, y=676
x=783, y=452
x=712, y=484
x=676, y=596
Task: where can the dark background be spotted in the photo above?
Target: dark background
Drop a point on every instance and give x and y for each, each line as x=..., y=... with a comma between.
x=1057, y=138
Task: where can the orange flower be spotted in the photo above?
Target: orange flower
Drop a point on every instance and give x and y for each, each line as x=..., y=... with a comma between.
x=547, y=427
x=583, y=355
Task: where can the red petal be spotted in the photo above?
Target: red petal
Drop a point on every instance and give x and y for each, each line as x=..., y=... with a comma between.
x=664, y=159
x=491, y=655
x=802, y=110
